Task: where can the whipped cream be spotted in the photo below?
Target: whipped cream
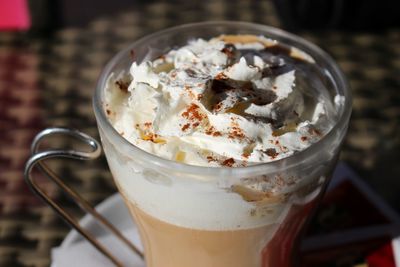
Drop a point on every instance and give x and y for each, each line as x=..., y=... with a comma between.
x=229, y=101
x=234, y=100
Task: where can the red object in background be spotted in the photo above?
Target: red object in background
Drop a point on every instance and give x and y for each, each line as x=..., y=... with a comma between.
x=382, y=257
x=14, y=15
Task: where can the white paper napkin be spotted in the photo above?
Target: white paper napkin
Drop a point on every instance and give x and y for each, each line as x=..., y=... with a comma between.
x=84, y=254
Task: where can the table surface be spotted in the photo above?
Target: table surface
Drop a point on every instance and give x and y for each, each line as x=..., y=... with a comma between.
x=49, y=81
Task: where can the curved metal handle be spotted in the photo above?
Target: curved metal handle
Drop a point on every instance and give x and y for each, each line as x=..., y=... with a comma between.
x=37, y=157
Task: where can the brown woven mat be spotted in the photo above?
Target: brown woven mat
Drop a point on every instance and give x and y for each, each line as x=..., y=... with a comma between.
x=47, y=82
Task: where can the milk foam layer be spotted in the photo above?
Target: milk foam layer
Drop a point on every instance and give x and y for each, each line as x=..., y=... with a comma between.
x=229, y=101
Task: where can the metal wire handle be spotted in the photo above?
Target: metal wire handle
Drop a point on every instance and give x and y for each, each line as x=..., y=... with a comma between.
x=37, y=157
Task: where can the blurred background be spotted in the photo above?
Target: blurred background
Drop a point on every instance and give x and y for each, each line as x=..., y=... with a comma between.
x=51, y=53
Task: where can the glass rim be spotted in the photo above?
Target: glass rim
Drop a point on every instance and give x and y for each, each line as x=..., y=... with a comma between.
x=295, y=159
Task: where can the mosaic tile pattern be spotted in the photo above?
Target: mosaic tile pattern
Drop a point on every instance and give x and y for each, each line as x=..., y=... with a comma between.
x=48, y=82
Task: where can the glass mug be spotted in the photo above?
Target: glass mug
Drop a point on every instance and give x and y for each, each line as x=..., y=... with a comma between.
x=192, y=216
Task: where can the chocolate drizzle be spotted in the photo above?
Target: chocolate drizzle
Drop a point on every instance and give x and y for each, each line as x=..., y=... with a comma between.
x=278, y=49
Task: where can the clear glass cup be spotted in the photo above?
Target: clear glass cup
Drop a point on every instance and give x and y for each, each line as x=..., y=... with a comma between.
x=191, y=216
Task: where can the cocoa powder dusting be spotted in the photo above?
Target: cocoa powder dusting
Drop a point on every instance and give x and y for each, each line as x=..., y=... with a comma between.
x=228, y=162
x=190, y=92
x=192, y=113
x=211, y=131
x=217, y=107
x=245, y=155
x=153, y=137
x=211, y=158
x=220, y=76
x=271, y=152
x=236, y=131
x=185, y=127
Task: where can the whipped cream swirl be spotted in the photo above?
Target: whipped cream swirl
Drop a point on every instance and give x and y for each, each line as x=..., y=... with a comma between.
x=228, y=101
